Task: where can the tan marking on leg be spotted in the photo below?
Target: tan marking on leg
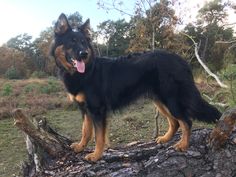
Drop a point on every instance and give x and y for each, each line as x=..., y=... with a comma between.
x=183, y=143
x=80, y=98
x=87, y=133
x=100, y=133
x=71, y=97
x=173, y=123
x=60, y=56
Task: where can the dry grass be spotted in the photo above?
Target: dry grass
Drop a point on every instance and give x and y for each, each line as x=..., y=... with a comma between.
x=35, y=96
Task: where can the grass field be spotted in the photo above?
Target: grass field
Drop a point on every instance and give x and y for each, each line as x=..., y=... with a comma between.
x=47, y=97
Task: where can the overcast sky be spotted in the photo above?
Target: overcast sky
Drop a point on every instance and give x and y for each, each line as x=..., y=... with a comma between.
x=31, y=16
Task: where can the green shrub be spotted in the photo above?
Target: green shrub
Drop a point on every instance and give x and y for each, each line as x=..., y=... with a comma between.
x=51, y=87
x=30, y=88
x=6, y=90
x=12, y=73
x=38, y=74
x=230, y=74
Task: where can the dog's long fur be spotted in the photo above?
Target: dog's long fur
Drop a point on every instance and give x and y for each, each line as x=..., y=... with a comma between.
x=110, y=84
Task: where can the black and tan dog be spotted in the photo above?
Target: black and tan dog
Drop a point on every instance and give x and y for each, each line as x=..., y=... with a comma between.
x=100, y=85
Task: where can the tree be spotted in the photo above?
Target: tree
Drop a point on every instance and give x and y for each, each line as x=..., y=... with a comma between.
x=12, y=58
x=152, y=23
x=154, y=28
x=115, y=35
x=210, y=28
x=41, y=51
x=75, y=20
x=23, y=43
x=139, y=37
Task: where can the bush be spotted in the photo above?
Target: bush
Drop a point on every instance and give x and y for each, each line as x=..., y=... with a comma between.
x=52, y=87
x=31, y=87
x=12, y=73
x=230, y=74
x=6, y=90
x=38, y=74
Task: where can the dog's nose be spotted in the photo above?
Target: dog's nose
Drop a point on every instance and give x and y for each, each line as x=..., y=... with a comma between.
x=83, y=54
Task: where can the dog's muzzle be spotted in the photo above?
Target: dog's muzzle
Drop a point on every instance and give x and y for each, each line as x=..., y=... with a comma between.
x=83, y=55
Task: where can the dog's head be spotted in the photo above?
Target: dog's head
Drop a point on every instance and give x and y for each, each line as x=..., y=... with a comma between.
x=71, y=47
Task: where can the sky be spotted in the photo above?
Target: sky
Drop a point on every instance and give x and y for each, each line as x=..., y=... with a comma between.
x=33, y=16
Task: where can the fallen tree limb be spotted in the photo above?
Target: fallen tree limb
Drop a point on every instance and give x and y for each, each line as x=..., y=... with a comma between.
x=223, y=105
x=135, y=159
x=43, y=143
x=203, y=64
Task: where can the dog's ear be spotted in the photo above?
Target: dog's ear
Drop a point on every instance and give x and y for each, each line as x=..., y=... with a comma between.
x=62, y=25
x=86, y=29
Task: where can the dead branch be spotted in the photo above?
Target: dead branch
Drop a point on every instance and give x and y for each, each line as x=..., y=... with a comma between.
x=203, y=64
x=225, y=42
x=223, y=105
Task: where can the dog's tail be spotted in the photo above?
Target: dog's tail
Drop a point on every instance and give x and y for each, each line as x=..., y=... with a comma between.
x=199, y=109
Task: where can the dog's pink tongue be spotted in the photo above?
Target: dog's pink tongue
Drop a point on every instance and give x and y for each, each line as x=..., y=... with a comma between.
x=80, y=65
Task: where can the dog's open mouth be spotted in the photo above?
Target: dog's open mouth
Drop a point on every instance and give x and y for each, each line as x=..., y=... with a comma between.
x=79, y=65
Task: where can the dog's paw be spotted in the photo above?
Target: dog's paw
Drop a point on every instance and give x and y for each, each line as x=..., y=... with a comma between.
x=93, y=157
x=161, y=139
x=77, y=147
x=181, y=146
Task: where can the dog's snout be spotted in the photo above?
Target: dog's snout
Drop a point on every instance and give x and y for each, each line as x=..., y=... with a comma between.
x=83, y=54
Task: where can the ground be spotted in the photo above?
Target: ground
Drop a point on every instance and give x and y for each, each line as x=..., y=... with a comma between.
x=47, y=97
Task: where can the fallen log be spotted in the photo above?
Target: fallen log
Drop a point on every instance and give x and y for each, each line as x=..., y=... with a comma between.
x=50, y=155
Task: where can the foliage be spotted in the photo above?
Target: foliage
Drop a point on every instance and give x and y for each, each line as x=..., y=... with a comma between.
x=12, y=73
x=75, y=20
x=6, y=90
x=38, y=74
x=31, y=88
x=209, y=29
x=116, y=36
x=230, y=74
x=52, y=86
x=21, y=42
x=152, y=25
x=12, y=58
x=157, y=23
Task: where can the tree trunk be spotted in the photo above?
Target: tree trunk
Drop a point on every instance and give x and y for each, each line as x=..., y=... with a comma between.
x=50, y=155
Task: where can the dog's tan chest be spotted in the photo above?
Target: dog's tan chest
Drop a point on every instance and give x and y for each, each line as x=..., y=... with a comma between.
x=80, y=97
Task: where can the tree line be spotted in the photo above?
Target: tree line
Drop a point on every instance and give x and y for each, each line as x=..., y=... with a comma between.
x=152, y=26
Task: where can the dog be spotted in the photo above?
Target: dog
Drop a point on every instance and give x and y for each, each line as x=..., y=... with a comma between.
x=100, y=85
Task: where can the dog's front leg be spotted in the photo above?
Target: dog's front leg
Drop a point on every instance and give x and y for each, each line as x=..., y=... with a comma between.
x=100, y=140
x=87, y=133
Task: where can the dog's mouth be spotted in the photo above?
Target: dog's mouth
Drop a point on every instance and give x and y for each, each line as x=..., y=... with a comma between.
x=79, y=63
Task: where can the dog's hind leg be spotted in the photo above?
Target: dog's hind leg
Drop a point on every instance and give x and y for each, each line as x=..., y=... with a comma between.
x=100, y=141
x=173, y=123
x=87, y=133
x=183, y=143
